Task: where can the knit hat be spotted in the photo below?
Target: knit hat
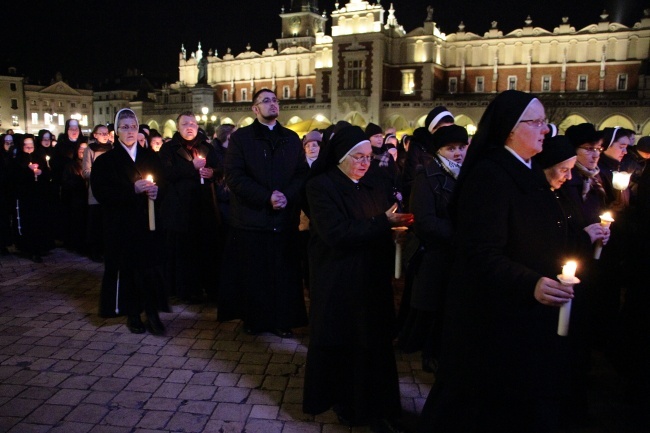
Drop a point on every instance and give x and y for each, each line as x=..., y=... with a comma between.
x=584, y=133
x=436, y=115
x=346, y=140
x=373, y=129
x=555, y=150
x=452, y=134
x=643, y=144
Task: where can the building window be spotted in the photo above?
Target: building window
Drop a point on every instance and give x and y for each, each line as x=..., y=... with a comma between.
x=286, y=92
x=47, y=103
x=309, y=91
x=355, y=74
x=224, y=96
x=14, y=104
x=166, y=98
x=47, y=118
x=13, y=87
x=73, y=105
x=408, y=83
x=621, y=82
x=33, y=102
x=546, y=83
x=512, y=82
x=582, y=83
x=453, y=85
x=34, y=118
x=60, y=104
x=480, y=84
x=61, y=120
x=101, y=110
x=182, y=97
x=83, y=106
x=244, y=94
x=14, y=120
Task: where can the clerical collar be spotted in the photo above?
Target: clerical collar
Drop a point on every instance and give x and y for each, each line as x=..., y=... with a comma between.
x=132, y=151
x=528, y=163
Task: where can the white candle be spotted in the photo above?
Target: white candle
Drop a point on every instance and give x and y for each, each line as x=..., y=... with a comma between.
x=152, y=214
x=605, y=221
x=398, y=251
x=202, y=180
x=620, y=180
x=567, y=278
x=47, y=160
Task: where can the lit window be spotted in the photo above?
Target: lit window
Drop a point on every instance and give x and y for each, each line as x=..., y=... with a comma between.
x=546, y=83
x=408, y=84
x=453, y=85
x=582, y=83
x=480, y=84
x=286, y=92
x=34, y=118
x=14, y=120
x=512, y=82
x=621, y=82
x=33, y=102
x=309, y=90
x=61, y=120
x=355, y=76
x=60, y=104
x=47, y=118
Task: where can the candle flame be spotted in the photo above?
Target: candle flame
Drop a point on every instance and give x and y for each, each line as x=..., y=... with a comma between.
x=607, y=217
x=150, y=178
x=47, y=157
x=569, y=269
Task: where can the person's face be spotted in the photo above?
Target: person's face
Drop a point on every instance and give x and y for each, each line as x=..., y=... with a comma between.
x=101, y=135
x=376, y=140
x=356, y=169
x=589, y=154
x=28, y=145
x=142, y=140
x=46, y=140
x=644, y=155
x=127, y=131
x=618, y=149
x=267, y=107
x=187, y=127
x=393, y=153
x=8, y=142
x=111, y=136
x=559, y=173
x=311, y=149
x=527, y=137
x=73, y=131
x=156, y=143
x=82, y=148
x=454, y=152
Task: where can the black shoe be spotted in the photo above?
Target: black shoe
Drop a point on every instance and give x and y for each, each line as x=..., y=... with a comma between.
x=154, y=324
x=135, y=325
x=283, y=333
x=384, y=425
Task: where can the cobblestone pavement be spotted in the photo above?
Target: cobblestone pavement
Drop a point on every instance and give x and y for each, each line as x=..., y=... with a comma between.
x=64, y=369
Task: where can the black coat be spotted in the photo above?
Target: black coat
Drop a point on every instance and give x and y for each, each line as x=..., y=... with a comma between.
x=500, y=349
x=259, y=161
x=186, y=199
x=126, y=216
x=430, y=197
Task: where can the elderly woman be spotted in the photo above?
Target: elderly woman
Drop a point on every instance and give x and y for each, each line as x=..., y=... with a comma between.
x=350, y=361
x=432, y=190
x=120, y=184
x=502, y=362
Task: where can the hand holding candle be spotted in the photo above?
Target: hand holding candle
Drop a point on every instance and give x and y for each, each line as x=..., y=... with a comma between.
x=34, y=168
x=567, y=278
x=398, y=250
x=152, y=214
x=605, y=220
x=199, y=166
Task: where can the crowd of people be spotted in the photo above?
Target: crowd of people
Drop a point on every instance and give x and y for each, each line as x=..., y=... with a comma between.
x=257, y=217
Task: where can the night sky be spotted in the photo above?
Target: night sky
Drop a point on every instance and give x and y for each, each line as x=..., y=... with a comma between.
x=91, y=40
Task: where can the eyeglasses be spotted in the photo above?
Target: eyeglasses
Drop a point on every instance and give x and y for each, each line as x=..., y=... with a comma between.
x=537, y=123
x=592, y=149
x=268, y=101
x=129, y=127
x=360, y=159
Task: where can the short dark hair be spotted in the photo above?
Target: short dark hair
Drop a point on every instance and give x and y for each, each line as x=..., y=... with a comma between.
x=187, y=113
x=259, y=92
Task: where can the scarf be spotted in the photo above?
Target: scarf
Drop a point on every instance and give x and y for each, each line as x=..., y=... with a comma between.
x=451, y=167
x=383, y=158
x=590, y=180
x=191, y=146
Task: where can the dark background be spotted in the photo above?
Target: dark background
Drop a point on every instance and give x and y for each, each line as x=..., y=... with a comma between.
x=88, y=41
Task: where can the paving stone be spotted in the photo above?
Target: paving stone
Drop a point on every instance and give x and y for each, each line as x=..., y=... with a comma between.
x=221, y=426
x=169, y=390
x=71, y=427
x=197, y=392
x=230, y=395
x=19, y=407
x=25, y=427
x=163, y=404
x=68, y=397
x=199, y=407
x=90, y=413
x=187, y=422
x=264, y=411
x=155, y=419
x=123, y=417
x=48, y=414
x=131, y=399
x=264, y=426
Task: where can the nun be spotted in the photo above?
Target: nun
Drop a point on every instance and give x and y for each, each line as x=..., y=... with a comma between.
x=120, y=183
x=350, y=360
x=502, y=365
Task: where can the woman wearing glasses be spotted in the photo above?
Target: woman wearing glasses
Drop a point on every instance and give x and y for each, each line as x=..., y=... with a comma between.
x=502, y=365
x=350, y=362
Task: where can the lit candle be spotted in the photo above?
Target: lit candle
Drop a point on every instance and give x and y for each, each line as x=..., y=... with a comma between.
x=34, y=167
x=47, y=160
x=152, y=214
x=620, y=180
x=567, y=278
x=398, y=250
x=605, y=221
x=202, y=180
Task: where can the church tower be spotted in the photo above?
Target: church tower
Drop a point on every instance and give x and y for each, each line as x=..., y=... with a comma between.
x=301, y=24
